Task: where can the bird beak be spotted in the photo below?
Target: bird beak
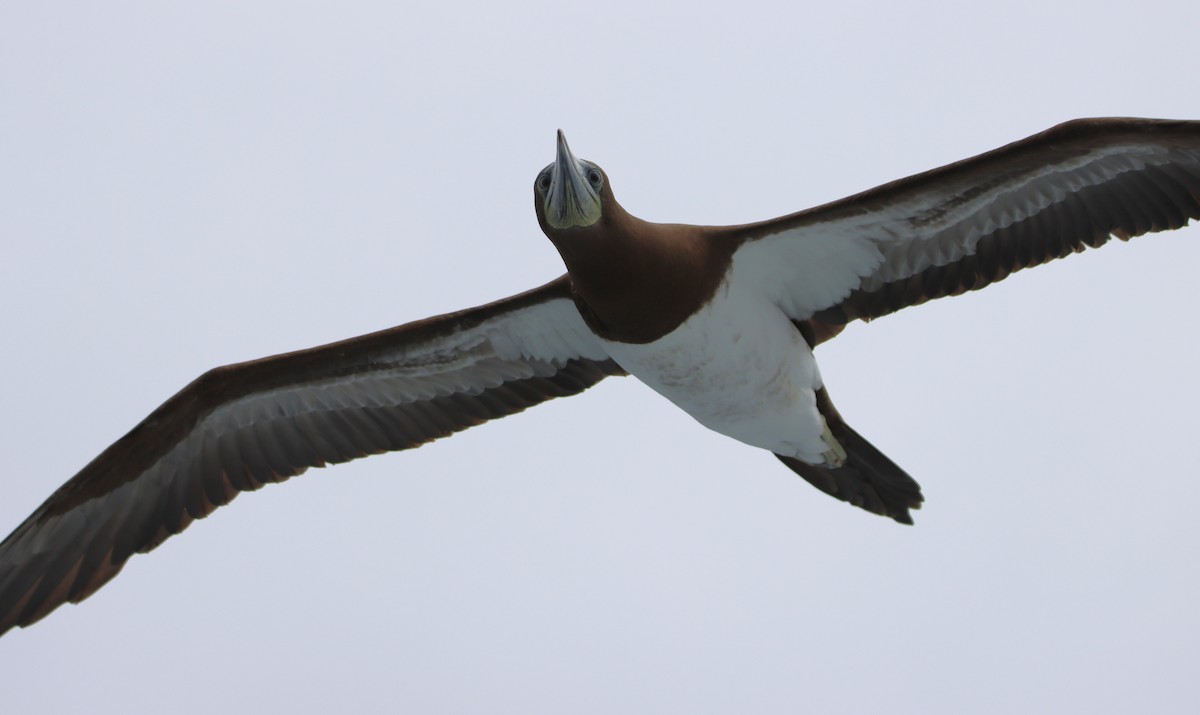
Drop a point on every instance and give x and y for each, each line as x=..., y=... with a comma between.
x=571, y=201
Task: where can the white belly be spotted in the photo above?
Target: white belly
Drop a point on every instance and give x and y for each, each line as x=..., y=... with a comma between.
x=740, y=368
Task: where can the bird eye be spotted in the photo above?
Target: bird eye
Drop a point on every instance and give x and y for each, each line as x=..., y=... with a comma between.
x=543, y=182
x=594, y=177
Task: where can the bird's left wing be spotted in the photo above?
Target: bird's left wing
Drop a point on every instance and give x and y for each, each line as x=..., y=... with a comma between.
x=238, y=427
x=969, y=224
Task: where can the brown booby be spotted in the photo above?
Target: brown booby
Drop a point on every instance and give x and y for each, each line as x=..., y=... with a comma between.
x=722, y=321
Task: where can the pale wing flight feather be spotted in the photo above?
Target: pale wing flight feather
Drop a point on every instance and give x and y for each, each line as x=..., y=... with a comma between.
x=238, y=427
x=971, y=223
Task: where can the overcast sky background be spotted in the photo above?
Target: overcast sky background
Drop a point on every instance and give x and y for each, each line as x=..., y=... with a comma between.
x=186, y=185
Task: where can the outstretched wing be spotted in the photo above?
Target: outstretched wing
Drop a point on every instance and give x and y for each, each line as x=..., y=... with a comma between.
x=972, y=223
x=238, y=427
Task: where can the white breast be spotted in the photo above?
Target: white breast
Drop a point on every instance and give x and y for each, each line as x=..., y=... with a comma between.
x=741, y=368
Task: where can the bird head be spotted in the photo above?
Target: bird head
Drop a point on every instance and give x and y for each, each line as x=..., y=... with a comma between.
x=570, y=193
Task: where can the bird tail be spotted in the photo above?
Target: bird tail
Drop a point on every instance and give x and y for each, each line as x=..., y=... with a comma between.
x=867, y=478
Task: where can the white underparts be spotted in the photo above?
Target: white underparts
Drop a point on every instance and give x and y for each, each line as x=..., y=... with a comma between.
x=741, y=368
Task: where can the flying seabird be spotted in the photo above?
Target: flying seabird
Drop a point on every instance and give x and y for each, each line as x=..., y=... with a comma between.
x=722, y=321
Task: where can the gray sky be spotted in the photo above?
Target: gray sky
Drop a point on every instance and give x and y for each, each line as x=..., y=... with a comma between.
x=188, y=185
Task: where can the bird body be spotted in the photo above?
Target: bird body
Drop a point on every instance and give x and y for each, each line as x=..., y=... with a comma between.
x=722, y=321
x=739, y=367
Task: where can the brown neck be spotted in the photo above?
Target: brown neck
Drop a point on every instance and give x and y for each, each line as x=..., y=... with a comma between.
x=636, y=281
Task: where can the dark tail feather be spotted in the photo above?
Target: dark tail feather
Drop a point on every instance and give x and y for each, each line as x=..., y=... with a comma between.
x=868, y=479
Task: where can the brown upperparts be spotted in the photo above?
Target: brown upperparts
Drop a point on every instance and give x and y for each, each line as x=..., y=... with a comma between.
x=634, y=281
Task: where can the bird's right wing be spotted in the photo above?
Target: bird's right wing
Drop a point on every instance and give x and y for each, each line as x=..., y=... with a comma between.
x=238, y=427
